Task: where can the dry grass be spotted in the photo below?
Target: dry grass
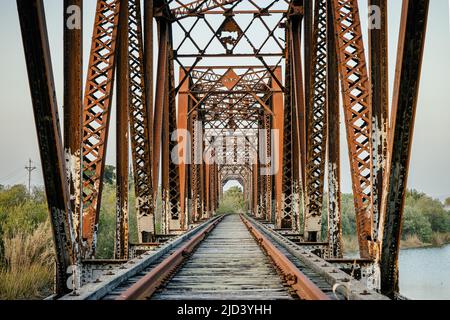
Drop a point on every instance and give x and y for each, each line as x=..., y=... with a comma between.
x=439, y=239
x=411, y=241
x=28, y=265
x=350, y=244
x=32, y=283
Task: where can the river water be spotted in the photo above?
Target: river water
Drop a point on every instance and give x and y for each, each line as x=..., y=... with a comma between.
x=425, y=273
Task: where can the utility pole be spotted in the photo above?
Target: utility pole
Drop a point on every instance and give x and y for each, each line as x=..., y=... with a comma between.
x=30, y=169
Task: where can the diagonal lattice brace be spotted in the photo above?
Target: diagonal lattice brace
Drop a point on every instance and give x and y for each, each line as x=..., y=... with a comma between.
x=317, y=126
x=139, y=126
x=96, y=116
x=358, y=115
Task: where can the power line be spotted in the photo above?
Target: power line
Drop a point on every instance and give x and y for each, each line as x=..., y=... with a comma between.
x=10, y=175
x=20, y=180
x=30, y=169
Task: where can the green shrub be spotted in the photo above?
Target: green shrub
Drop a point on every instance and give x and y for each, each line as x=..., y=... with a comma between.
x=416, y=223
x=107, y=221
x=13, y=196
x=232, y=201
x=348, y=215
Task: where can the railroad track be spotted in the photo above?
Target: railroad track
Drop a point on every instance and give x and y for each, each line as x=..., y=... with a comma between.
x=232, y=258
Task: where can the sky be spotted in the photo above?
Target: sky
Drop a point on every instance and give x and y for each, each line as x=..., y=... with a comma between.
x=429, y=170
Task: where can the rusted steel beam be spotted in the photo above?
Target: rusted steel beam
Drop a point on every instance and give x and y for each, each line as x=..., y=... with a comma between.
x=148, y=68
x=261, y=197
x=73, y=104
x=197, y=153
x=296, y=159
x=207, y=189
x=147, y=227
x=176, y=220
x=161, y=91
x=218, y=187
x=213, y=189
x=255, y=188
x=268, y=178
x=379, y=72
x=358, y=115
x=335, y=245
x=200, y=7
x=297, y=280
x=96, y=117
x=299, y=116
x=202, y=175
x=277, y=165
x=165, y=158
x=288, y=219
x=253, y=12
x=406, y=88
x=184, y=143
x=140, y=124
x=122, y=145
x=224, y=55
x=39, y=66
x=147, y=285
x=263, y=161
x=316, y=139
x=308, y=9
x=215, y=193
x=189, y=172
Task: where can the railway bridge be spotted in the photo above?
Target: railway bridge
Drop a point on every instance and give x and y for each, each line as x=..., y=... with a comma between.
x=208, y=91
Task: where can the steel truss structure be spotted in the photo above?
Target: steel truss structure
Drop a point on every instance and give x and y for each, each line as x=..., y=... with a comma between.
x=234, y=98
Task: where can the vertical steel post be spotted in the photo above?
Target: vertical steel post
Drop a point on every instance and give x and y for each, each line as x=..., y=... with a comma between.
x=288, y=214
x=299, y=111
x=264, y=163
x=278, y=144
x=255, y=189
x=165, y=159
x=174, y=214
x=148, y=66
x=122, y=140
x=39, y=66
x=378, y=57
x=197, y=153
x=207, y=189
x=335, y=245
x=202, y=165
x=184, y=142
x=308, y=7
x=160, y=94
x=406, y=88
x=316, y=138
x=73, y=104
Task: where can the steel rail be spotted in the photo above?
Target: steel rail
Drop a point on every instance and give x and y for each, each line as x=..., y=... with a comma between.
x=145, y=287
x=296, y=279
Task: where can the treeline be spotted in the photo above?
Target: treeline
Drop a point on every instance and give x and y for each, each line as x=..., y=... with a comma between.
x=425, y=220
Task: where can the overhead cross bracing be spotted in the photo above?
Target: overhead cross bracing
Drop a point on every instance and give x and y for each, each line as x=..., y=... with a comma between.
x=241, y=90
